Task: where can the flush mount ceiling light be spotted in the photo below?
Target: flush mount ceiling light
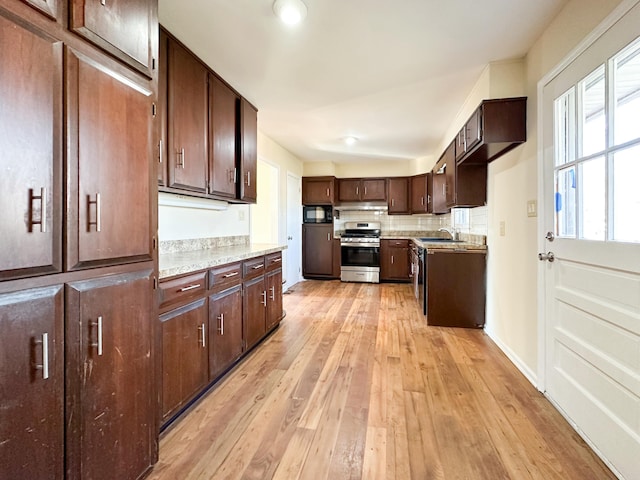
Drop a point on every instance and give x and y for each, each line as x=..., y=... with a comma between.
x=290, y=12
x=350, y=140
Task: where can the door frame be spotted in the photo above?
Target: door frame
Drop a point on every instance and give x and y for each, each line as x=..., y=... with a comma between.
x=619, y=12
x=294, y=256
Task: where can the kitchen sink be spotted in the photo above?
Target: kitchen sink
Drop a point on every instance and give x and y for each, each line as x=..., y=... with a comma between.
x=438, y=240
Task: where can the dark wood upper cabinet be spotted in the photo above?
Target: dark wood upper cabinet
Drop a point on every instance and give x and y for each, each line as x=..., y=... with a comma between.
x=31, y=145
x=187, y=100
x=161, y=140
x=32, y=389
x=110, y=148
x=223, y=107
x=249, y=152
x=110, y=409
x=493, y=129
x=362, y=189
x=398, y=193
x=421, y=193
x=126, y=29
x=439, y=180
x=318, y=190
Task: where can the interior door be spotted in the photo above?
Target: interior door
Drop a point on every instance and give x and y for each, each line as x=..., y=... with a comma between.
x=293, y=253
x=591, y=256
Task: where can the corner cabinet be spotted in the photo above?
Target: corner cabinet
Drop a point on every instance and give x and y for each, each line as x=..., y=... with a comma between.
x=121, y=27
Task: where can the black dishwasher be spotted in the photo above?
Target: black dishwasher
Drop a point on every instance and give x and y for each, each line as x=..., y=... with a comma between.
x=455, y=288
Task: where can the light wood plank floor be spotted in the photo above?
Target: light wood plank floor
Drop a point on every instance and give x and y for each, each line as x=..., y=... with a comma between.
x=355, y=385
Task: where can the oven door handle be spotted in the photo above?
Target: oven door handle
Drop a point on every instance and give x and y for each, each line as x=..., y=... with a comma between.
x=356, y=244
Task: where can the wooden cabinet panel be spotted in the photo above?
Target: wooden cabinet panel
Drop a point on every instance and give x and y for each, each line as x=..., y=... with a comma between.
x=110, y=382
x=124, y=28
x=225, y=330
x=31, y=146
x=50, y=8
x=225, y=276
x=249, y=152
x=398, y=196
x=222, y=130
x=421, y=193
x=254, y=309
x=179, y=290
x=274, y=298
x=439, y=180
x=109, y=144
x=318, y=190
x=187, y=120
x=162, y=164
x=32, y=386
x=394, y=260
x=184, y=354
x=362, y=189
x=317, y=250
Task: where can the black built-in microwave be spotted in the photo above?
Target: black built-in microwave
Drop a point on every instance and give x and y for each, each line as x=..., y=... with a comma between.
x=317, y=214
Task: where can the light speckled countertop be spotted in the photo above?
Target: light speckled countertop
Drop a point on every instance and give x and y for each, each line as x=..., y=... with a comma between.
x=177, y=263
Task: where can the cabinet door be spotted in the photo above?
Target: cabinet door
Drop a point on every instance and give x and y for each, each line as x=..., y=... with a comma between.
x=184, y=354
x=398, y=192
x=318, y=191
x=222, y=130
x=124, y=28
x=254, y=309
x=461, y=143
x=225, y=330
x=274, y=298
x=51, y=8
x=31, y=146
x=317, y=250
x=110, y=377
x=441, y=181
x=162, y=117
x=473, y=129
x=373, y=189
x=450, y=176
x=249, y=152
x=440, y=194
x=349, y=189
x=109, y=129
x=187, y=120
x=421, y=194
x=32, y=385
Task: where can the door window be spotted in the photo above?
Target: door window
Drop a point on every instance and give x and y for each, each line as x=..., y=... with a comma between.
x=597, y=152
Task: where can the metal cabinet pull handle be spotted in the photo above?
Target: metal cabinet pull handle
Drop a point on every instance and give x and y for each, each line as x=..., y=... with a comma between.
x=160, y=151
x=357, y=191
x=229, y=275
x=392, y=260
x=221, y=327
x=393, y=202
x=258, y=267
x=202, y=335
x=276, y=260
x=428, y=199
x=181, y=159
x=98, y=203
x=103, y=2
x=422, y=201
x=328, y=195
x=249, y=179
x=44, y=366
x=264, y=298
x=273, y=293
x=190, y=287
x=365, y=191
x=98, y=345
x=43, y=209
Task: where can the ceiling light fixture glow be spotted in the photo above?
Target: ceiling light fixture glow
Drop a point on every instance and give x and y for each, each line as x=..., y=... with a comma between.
x=350, y=140
x=290, y=12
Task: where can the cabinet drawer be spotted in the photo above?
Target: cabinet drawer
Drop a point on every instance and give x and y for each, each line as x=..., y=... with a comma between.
x=253, y=268
x=225, y=276
x=398, y=243
x=179, y=289
x=273, y=261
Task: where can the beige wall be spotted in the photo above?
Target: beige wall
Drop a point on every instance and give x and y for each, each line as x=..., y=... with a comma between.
x=512, y=269
x=374, y=168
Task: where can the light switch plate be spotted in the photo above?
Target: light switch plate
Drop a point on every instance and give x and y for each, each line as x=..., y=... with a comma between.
x=502, y=228
x=532, y=208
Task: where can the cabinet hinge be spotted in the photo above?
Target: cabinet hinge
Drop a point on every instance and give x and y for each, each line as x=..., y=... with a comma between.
x=153, y=109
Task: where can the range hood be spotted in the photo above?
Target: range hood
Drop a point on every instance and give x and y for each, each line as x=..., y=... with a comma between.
x=362, y=206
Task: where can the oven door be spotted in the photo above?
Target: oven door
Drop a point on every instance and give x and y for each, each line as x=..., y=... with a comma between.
x=360, y=255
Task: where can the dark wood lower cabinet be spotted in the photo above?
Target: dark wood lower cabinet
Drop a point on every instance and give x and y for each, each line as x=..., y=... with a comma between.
x=394, y=260
x=225, y=330
x=32, y=384
x=254, y=308
x=274, y=298
x=110, y=383
x=184, y=354
x=317, y=250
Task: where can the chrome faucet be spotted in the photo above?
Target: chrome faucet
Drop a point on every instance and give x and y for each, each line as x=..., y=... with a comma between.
x=453, y=232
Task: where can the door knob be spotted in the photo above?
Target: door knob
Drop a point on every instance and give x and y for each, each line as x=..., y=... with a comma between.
x=549, y=256
x=550, y=236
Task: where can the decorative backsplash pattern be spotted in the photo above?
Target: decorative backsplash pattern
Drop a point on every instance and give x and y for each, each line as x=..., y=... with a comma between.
x=193, y=244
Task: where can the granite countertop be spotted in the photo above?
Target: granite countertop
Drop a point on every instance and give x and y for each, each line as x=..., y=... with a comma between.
x=469, y=241
x=177, y=263
x=463, y=245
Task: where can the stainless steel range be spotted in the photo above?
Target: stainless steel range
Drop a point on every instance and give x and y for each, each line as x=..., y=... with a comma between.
x=360, y=248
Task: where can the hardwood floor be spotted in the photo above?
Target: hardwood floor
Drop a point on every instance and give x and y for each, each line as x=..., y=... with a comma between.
x=354, y=385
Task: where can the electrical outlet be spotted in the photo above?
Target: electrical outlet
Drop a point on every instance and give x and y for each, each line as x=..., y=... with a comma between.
x=240, y=215
x=532, y=208
x=502, y=228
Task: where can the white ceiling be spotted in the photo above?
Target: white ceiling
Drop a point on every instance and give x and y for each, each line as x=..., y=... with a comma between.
x=392, y=73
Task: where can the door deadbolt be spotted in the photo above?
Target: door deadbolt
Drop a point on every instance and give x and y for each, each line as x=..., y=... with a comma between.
x=550, y=236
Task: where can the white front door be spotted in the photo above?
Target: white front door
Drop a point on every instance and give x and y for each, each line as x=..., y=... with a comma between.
x=293, y=253
x=591, y=204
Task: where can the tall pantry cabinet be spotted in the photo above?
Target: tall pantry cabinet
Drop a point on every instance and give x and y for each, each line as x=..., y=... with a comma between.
x=77, y=239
